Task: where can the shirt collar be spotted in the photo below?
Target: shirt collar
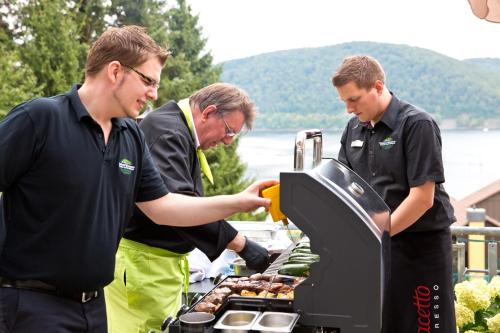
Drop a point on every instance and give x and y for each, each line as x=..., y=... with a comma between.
x=81, y=112
x=389, y=118
x=191, y=121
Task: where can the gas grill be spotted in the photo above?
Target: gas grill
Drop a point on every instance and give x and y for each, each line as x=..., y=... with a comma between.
x=347, y=224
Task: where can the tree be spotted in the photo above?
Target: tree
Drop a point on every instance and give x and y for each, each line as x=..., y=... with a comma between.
x=190, y=68
x=49, y=45
x=228, y=172
x=17, y=81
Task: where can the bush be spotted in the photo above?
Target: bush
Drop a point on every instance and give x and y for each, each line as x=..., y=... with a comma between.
x=478, y=306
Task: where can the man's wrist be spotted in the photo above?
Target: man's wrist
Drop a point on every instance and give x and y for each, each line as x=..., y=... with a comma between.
x=238, y=243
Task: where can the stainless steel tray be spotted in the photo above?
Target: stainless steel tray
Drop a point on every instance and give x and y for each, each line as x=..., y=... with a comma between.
x=236, y=321
x=276, y=322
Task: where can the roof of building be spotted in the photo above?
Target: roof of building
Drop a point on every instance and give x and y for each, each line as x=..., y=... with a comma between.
x=460, y=206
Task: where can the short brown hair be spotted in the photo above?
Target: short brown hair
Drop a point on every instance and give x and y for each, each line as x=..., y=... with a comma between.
x=361, y=69
x=227, y=98
x=129, y=45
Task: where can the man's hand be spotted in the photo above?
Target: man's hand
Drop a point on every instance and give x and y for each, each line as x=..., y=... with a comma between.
x=250, y=199
x=256, y=257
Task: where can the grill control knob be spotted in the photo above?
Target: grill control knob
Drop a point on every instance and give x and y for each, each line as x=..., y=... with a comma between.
x=356, y=189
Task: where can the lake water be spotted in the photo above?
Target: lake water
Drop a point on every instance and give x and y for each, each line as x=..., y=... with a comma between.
x=471, y=158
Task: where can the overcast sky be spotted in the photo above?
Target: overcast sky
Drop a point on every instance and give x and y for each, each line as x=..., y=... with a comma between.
x=241, y=28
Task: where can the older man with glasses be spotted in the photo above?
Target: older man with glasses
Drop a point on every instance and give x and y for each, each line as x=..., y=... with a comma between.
x=151, y=264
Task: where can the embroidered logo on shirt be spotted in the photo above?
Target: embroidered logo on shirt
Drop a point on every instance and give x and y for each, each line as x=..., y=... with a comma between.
x=126, y=166
x=387, y=143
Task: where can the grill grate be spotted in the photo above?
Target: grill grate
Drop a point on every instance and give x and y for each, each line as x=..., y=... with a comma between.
x=276, y=265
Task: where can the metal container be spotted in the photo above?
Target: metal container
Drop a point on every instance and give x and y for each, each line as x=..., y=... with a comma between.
x=276, y=322
x=235, y=321
x=196, y=322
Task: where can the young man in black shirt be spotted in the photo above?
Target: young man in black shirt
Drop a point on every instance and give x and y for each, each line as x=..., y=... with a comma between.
x=72, y=168
x=396, y=148
x=151, y=260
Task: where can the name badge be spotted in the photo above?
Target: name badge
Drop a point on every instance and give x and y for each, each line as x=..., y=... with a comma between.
x=357, y=144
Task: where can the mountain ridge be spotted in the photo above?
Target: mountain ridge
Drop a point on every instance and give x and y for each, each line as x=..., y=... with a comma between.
x=292, y=88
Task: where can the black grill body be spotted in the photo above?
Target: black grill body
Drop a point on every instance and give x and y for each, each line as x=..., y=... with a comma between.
x=348, y=225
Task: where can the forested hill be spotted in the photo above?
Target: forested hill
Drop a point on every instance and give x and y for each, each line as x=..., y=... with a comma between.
x=293, y=88
x=492, y=64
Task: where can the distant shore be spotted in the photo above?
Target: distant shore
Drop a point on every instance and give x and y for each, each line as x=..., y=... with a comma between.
x=285, y=130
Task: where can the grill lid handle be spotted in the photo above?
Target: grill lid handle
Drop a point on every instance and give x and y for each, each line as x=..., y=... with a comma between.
x=300, y=139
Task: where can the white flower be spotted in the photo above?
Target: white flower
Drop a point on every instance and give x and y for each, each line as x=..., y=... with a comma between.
x=463, y=315
x=494, y=287
x=494, y=323
x=473, y=295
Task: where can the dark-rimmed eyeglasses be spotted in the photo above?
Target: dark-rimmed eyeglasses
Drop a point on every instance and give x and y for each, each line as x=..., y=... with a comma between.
x=146, y=79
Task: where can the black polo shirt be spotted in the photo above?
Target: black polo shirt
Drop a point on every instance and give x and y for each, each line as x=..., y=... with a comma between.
x=67, y=194
x=401, y=151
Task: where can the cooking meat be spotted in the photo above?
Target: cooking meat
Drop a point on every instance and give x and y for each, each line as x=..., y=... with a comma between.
x=215, y=298
x=228, y=284
x=285, y=289
x=256, y=277
x=205, y=307
x=275, y=287
x=222, y=291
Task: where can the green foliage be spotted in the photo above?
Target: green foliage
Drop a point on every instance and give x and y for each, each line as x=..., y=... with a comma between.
x=228, y=172
x=299, y=81
x=189, y=69
x=17, y=81
x=49, y=46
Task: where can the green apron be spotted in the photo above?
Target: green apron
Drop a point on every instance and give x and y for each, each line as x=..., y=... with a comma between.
x=147, y=287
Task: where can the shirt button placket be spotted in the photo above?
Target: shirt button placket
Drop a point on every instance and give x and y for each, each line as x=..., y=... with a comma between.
x=101, y=143
x=371, y=152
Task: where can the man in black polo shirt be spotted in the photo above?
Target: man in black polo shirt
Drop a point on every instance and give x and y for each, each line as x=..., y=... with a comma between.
x=151, y=263
x=396, y=148
x=71, y=168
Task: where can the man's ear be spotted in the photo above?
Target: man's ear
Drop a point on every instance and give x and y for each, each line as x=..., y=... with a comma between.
x=479, y=8
x=112, y=71
x=379, y=86
x=209, y=110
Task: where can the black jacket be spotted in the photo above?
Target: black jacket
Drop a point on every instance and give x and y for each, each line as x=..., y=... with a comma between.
x=173, y=149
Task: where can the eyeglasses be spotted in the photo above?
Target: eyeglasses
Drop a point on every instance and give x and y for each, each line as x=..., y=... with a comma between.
x=146, y=79
x=229, y=132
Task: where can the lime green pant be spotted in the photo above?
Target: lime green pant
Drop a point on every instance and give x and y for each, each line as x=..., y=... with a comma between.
x=147, y=287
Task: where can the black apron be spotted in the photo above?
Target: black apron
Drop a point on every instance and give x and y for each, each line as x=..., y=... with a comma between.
x=421, y=294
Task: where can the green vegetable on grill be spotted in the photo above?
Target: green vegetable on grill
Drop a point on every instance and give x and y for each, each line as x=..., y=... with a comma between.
x=303, y=260
x=301, y=250
x=294, y=269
